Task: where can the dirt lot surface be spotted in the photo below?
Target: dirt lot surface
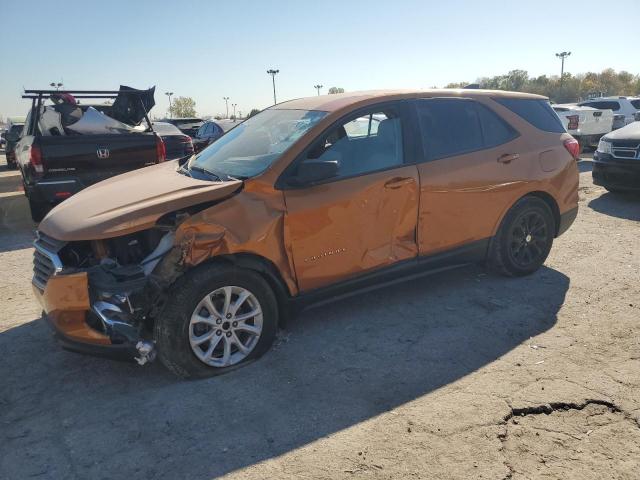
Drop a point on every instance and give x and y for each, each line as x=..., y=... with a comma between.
x=460, y=375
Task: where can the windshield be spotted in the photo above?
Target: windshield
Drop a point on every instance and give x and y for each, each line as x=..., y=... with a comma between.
x=251, y=147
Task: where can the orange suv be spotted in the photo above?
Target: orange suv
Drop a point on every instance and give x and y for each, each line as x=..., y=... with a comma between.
x=310, y=199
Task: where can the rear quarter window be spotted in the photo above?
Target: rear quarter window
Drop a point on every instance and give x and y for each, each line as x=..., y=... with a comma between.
x=635, y=103
x=537, y=112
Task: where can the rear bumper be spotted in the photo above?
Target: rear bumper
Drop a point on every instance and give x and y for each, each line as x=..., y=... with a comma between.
x=566, y=220
x=623, y=175
x=54, y=191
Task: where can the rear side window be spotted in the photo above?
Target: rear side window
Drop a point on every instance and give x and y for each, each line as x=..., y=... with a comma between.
x=603, y=105
x=449, y=127
x=537, y=112
x=495, y=130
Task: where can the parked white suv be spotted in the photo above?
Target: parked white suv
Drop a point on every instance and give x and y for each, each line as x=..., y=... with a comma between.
x=628, y=106
x=585, y=124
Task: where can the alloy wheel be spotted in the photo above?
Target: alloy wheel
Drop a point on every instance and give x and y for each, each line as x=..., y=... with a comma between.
x=528, y=239
x=225, y=326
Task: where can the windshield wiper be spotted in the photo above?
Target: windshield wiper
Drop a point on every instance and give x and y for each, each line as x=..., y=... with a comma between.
x=205, y=171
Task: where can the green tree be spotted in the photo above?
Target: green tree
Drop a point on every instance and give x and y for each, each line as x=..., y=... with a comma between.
x=253, y=112
x=183, y=107
x=334, y=90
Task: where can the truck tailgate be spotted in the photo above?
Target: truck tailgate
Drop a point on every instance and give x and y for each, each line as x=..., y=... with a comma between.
x=91, y=158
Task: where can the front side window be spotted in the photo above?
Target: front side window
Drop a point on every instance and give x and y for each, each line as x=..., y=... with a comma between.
x=251, y=147
x=449, y=127
x=368, y=143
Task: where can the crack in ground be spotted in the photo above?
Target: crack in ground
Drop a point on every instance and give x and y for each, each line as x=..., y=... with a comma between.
x=547, y=409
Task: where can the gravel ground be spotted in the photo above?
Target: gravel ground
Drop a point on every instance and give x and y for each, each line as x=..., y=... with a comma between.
x=459, y=375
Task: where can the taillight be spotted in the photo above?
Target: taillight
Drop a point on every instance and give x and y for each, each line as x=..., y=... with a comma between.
x=573, y=147
x=573, y=122
x=35, y=157
x=161, y=151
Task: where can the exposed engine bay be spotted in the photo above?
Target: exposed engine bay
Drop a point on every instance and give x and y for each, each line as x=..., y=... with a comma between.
x=125, y=290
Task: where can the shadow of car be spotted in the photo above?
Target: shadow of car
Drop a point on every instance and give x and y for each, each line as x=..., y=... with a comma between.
x=341, y=365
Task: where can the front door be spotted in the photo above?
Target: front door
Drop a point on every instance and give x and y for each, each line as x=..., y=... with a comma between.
x=365, y=217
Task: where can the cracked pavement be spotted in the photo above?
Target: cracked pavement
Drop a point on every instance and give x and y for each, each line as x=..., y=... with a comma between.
x=458, y=375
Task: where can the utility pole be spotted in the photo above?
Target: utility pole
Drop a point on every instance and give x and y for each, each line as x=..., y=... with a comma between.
x=226, y=102
x=273, y=74
x=56, y=85
x=234, y=105
x=168, y=94
x=318, y=87
x=562, y=56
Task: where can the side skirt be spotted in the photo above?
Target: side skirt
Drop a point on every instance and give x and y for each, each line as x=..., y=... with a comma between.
x=397, y=273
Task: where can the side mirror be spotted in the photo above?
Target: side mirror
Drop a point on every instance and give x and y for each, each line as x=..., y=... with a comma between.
x=312, y=171
x=12, y=137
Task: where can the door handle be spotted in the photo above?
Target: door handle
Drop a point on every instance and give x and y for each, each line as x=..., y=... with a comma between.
x=398, y=182
x=508, y=157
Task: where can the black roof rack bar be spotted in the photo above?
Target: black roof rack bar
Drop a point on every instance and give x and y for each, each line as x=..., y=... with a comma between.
x=98, y=92
x=77, y=96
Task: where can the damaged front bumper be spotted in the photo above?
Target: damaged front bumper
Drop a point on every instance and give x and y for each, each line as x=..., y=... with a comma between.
x=81, y=321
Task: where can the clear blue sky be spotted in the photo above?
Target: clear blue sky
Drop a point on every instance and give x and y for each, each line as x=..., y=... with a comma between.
x=210, y=49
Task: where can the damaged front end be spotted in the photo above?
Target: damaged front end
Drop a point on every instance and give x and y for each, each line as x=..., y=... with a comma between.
x=101, y=296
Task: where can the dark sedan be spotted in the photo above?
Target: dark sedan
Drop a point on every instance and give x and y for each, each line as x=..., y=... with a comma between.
x=177, y=144
x=188, y=126
x=616, y=164
x=208, y=133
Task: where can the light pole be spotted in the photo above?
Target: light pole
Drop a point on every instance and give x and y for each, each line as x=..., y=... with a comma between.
x=226, y=102
x=56, y=85
x=234, y=105
x=562, y=56
x=318, y=87
x=273, y=74
x=168, y=94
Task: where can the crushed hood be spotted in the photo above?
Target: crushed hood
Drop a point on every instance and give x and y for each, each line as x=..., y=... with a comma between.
x=130, y=202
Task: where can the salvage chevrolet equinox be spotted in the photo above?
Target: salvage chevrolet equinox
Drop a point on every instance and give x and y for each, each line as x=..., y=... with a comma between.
x=310, y=199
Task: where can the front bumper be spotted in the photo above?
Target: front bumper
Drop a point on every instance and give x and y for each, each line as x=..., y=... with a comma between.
x=619, y=174
x=66, y=305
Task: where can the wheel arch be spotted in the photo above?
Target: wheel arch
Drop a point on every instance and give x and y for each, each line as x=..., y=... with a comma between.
x=545, y=197
x=267, y=270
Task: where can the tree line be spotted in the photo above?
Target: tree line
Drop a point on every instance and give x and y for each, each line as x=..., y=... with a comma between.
x=571, y=88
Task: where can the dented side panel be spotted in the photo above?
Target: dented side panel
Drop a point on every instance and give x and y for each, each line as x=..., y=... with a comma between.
x=251, y=222
x=343, y=228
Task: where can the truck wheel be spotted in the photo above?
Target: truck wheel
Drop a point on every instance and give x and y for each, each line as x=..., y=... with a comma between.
x=217, y=319
x=524, y=238
x=38, y=210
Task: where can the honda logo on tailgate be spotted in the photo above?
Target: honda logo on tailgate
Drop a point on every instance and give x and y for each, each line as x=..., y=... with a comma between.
x=102, y=152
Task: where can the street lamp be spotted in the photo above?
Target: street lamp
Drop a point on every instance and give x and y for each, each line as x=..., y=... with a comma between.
x=226, y=102
x=168, y=94
x=562, y=56
x=56, y=85
x=273, y=74
x=318, y=87
x=234, y=105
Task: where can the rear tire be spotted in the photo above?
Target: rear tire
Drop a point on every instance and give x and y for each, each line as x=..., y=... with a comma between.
x=177, y=333
x=524, y=238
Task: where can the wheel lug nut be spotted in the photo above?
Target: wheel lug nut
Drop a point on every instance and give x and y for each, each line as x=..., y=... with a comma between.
x=235, y=324
x=219, y=332
x=228, y=334
x=228, y=315
x=218, y=321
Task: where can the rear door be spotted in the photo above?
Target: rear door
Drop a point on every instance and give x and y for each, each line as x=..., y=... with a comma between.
x=366, y=217
x=470, y=170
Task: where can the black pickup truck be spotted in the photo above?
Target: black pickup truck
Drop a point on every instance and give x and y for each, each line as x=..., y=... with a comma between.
x=56, y=164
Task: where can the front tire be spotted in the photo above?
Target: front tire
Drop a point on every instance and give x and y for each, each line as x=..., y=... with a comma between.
x=217, y=318
x=524, y=238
